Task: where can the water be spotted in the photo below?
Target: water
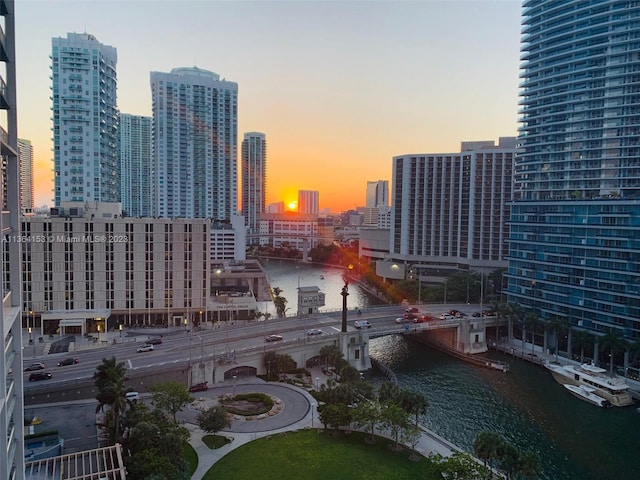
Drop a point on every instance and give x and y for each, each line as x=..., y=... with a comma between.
x=288, y=276
x=575, y=440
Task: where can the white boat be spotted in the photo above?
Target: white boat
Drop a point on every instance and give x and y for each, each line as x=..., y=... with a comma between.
x=611, y=388
x=587, y=394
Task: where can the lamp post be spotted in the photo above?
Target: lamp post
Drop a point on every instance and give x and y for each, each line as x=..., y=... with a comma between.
x=30, y=324
x=313, y=406
x=345, y=294
x=120, y=328
x=200, y=324
x=415, y=272
x=185, y=324
x=317, y=384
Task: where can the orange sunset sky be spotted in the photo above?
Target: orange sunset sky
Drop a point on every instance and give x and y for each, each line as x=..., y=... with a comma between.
x=338, y=87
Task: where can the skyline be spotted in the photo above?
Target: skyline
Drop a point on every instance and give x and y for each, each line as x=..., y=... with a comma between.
x=338, y=88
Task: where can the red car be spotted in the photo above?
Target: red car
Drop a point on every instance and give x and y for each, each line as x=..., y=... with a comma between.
x=199, y=387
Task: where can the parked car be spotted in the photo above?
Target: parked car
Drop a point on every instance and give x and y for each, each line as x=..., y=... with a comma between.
x=145, y=348
x=412, y=310
x=314, y=331
x=154, y=341
x=362, y=324
x=68, y=361
x=133, y=396
x=35, y=376
x=273, y=338
x=199, y=387
x=35, y=366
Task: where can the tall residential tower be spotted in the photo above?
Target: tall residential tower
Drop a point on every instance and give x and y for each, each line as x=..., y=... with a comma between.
x=254, y=178
x=25, y=151
x=136, y=172
x=85, y=120
x=11, y=393
x=575, y=225
x=308, y=202
x=195, y=132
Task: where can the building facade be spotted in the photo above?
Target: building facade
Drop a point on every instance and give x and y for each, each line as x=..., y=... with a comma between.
x=25, y=151
x=135, y=142
x=88, y=269
x=292, y=229
x=195, y=117
x=450, y=211
x=85, y=120
x=575, y=224
x=377, y=203
x=308, y=202
x=11, y=393
x=254, y=179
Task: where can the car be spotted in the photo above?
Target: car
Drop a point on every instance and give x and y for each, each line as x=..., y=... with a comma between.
x=461, y=315
x=68, y=361
x=362, y=324
x=145, y=348
x=446, y=316
x=476, y=314
x=410, y=316
x=273, y=338
x=154, y=341
x=314, y=331
x=35, y=376
x=422, y=319
x=402, y=320
x=35, y=366
x=453, y=312
x=412, y=310
x=199, y=387
x=132, y=396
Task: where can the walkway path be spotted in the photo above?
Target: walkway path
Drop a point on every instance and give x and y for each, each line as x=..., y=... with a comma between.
x=299, y=412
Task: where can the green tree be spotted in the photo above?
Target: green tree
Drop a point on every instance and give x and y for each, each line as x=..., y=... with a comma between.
x=395, y=419
x=170, y=397
x=331, y=355
x=612, y=342
x=334, y=416
x=531, y=322
x=367, y=415
x=486, y=446
x=529, y=466
x=389, y=393
x=280, y=302
x=213, y=419
x=508, y=460
x=414, y=403
x=558, y=326
x=109, y=378
x=458, y=466
x=411, y=435
x=582, y=339
x=516, y=315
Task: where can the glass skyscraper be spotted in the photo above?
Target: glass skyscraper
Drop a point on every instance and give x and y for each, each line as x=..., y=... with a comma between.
x=575, y=222
x=85, y=120
x=136, y=169
x=254, y=180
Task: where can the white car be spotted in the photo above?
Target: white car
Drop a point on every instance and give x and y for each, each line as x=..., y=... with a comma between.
x=145, y=348
x=362, y=324
x=403, y=320
x=446, y=316
x=314, y=331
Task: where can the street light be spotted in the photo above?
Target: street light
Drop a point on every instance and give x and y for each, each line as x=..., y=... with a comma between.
x=345, y=294
x=185, y=324
x=30, y=339
x=30, y=323
x=120, y=328
x=317, y=384
x=415, y=272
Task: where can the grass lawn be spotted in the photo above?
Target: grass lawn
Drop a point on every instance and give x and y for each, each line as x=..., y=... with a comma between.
x=309, y=455
x=191, y=457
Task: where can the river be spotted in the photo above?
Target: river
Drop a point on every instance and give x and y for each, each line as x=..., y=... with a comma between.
x=575, y=440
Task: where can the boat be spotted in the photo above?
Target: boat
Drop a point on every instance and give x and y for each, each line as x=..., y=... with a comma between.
x=587, y=394
x=614, y=389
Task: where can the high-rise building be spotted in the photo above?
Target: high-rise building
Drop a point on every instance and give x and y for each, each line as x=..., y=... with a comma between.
x=11, y=396
x=195, y=130
x=85, y=120
x=308, y=202
x=376, y=202
x=135, y=156
x=452, y=209
x=575, y=224
x=25, y=151
x=254, y=176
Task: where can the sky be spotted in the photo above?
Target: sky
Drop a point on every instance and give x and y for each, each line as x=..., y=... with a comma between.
x=338, y=87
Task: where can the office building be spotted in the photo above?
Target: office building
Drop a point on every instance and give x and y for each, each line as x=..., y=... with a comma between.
x=289, y=229
x=85, y=120
x=254, y=179
x=195, y=116
x=92, y=269
x=11, y=393
x=135, y=157
x=25, y=152
x=308, y=202
x=450, y=211
x=575, y=223
x=377, y=203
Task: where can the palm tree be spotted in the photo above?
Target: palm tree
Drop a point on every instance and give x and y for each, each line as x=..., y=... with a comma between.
x=582, y=339
x=414, y=403
x=486, y=446
x=516, y=313
x=557, y=326
x=612, y=342
x=529, y=466
x=531, y=321
x=110, y=377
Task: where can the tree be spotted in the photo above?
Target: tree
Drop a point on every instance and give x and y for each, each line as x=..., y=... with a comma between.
x=170, y=397
x=458, y=466
x=213, y=419
x=614, y=343
x=367, y=415
x=558, y=327
x=516, y=314
x=531, y=321
x=582, y=339
x=334, y=416
x=389, y=393
x=331, y=355
x=413, y=403
x=109, y=378
x=395, y=420
x=508, y=459
x=529, y=466
x=486, y=446
x=280, y=302
x=411, y=435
